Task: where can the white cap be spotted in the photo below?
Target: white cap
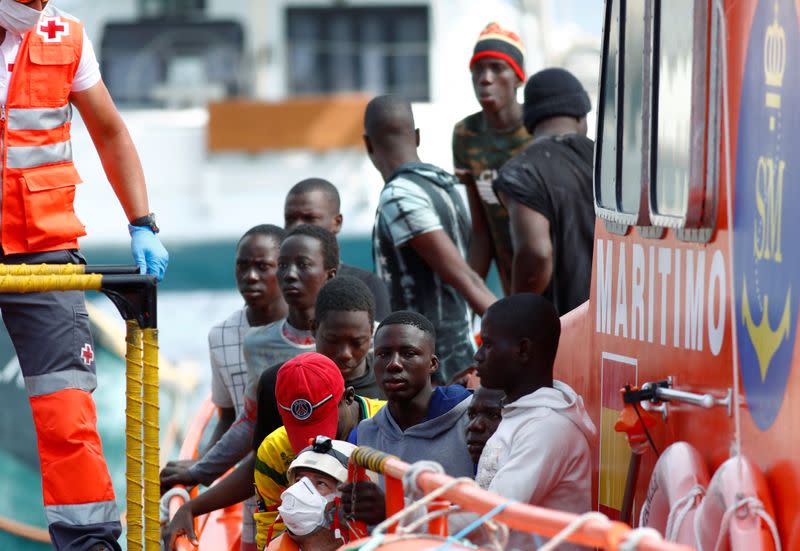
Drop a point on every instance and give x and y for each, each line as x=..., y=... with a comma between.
x=326, y=456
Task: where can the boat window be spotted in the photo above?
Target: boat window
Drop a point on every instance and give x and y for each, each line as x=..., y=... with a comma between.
x=682, y=193
x=606, y=164
x=618, y=167
x=631, y=185
x=372, y=49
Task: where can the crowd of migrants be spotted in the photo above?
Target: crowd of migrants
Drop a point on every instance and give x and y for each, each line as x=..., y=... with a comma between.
x=324, y=356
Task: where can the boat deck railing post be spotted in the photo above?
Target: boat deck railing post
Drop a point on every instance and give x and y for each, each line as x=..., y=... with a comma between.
x=135, y=297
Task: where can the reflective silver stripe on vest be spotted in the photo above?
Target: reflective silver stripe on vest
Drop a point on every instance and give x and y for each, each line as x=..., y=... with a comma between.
x=39, y=119
x=30, y=157
x=50, y=383
x=82, y=514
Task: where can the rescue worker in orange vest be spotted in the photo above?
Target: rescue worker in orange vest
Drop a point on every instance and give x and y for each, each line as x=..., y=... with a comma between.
x=47, y=66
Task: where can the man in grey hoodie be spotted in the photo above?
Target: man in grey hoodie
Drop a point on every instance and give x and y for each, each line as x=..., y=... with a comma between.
x=419, y=422
x=421, y=235
x=541, y=451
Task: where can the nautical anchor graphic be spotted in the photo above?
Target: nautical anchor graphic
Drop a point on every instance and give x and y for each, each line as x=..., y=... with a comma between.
x=766, y=340
x=766, y=271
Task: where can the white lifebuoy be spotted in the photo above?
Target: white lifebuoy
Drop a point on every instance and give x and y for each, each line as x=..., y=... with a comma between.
x=676, y=487
x=737, y=511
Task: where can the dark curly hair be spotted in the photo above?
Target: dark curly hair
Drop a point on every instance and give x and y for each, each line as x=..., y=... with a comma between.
x=344, y=294
x=267, y=230
x=330, y=247
x=407, y=317
x=317, y=184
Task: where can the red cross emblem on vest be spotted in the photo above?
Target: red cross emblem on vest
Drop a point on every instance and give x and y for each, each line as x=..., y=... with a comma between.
x=52, y=29
x=87, y=354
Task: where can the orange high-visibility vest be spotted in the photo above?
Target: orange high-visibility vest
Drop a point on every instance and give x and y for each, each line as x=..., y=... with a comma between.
x=39, y=177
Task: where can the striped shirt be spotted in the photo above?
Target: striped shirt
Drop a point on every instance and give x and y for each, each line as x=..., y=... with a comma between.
x=418, y=199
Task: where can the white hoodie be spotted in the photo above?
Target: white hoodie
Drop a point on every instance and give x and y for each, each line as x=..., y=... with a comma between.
x=541, y=454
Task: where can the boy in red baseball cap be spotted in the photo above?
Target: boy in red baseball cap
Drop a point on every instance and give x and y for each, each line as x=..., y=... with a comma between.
x=313, y=401
x=309, y=390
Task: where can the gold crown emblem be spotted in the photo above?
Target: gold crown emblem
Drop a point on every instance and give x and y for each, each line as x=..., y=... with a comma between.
x=775, y=53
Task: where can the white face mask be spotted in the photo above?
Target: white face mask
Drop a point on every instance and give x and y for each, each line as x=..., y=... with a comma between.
x=18, y=18
x=302, y=507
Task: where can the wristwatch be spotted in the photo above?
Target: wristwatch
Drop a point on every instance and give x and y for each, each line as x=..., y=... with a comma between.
x=148, y=221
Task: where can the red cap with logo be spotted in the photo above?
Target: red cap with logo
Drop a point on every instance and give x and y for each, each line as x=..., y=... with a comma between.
x=308, y=391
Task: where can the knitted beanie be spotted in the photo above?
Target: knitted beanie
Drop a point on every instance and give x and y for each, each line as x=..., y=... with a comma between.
x=554, y=92
x=495, y=41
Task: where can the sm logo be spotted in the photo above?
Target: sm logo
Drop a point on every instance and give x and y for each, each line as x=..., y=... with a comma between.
x=767, y=198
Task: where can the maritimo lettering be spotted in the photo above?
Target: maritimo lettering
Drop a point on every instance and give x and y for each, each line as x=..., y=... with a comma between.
x=691, y=283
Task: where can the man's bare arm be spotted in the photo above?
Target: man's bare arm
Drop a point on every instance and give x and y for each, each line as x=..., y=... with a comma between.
x=481, y=250
x=226, y=418
x=441, y=254
x=115, y=148
x=232, y=489
x=533, y=249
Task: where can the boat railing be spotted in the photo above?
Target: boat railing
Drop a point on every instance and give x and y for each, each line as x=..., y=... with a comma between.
x=592, y=529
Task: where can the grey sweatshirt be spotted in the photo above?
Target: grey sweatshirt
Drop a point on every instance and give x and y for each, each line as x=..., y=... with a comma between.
x=441, y=439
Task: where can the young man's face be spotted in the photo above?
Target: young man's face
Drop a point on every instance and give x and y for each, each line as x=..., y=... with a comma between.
x=485, y=414
x=257, y=269
x=495, y=83
x=345, y=338
x=301, y=270
x=404, y=361
x=496, y=358
x=313, y=207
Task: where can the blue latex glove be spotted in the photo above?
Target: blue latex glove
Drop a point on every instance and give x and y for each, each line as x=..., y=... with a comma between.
x=148, y=252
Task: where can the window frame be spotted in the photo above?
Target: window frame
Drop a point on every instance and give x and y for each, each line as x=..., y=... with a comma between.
x=698, y=222
x=699, y=219
x=616, y=220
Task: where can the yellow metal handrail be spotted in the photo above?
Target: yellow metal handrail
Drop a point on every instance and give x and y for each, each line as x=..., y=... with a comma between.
x=42, y=269
x=150, y=396
x=44, y=283
x=142, y=445
x=134, y=369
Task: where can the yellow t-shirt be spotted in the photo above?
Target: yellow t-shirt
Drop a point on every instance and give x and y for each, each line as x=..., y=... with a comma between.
x=274, y=456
